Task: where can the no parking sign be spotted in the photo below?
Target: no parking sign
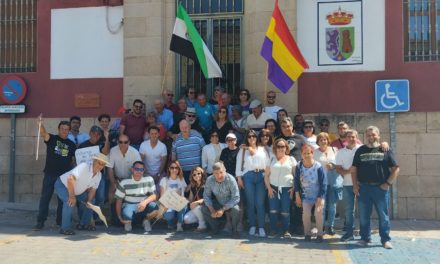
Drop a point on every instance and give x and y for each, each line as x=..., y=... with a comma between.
x=13, y=90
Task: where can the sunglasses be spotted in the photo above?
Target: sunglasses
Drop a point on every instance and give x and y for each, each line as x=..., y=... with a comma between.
x=174, y=168
x=215, y=135
x=252, y=136
x=270, y=97
x=190, y=92
x=230, y=139
x=138, y=106
x=324, y=124
x=308, y=126
x=170, y=95
x=265, y=136
x=139, y=169
x=197, y=173
x=190, y=115
x=280, y=146
x=243, y=94
x=123, y=142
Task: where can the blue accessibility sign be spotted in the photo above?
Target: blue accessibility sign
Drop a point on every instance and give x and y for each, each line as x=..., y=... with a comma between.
x=392, y=95
x=13, y=90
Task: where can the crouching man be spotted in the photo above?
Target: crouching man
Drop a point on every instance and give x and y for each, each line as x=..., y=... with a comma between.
x=80, y=184
x=136, y=198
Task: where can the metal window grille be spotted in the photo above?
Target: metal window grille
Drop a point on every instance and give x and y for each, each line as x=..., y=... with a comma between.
x=219, y=23
x=421, y=22
x=18, y=35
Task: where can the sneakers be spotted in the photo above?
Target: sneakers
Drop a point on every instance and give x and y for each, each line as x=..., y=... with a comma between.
x=127, y=227
x=319, y=239
x=287, y=235
x=362, y=243
x=39, y=226
x=227, y=228
x=252, y=231
x=331, y=231
x=388, y=245
x=261, y=232
x=347, y=237
x=147, y=225
x=179, y=227
x=308, y=238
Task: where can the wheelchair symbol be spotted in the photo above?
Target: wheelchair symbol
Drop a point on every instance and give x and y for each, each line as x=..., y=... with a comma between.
x=389, y=99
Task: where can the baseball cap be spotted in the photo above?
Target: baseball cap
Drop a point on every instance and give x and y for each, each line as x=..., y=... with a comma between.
x=190, y=110
x=231, y=135
x=96, y=129
x=255, y=103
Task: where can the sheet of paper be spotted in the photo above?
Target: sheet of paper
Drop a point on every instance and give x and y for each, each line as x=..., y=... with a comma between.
x=173, y=200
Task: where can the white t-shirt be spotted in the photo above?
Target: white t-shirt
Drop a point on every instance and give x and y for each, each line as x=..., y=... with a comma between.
x=344, y=158
x=122, y=164
x=253, y=123
x=210, y=155
x=84, y=178
x=152, y=156
x=177, y=185
x=272, y=110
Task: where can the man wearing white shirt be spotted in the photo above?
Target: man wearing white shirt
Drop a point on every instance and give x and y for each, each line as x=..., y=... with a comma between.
x=154, y=154
x=257, y=119
x=344, y=160
x=270, y=108
x=80, y=184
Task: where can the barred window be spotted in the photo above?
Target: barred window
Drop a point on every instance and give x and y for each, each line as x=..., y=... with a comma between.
x=219, y=23
x=421, y=27
x=18, y=36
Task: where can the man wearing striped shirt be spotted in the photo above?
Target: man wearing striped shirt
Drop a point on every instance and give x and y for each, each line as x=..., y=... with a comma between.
x=135, y=198
x=187, y=148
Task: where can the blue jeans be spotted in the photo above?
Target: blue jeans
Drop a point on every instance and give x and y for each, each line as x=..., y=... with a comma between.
x=171, y=215
x=255, y=194
x=333, y=195
x=349, y=200
x=46, y=194
x=101, y=191
x=129, y=211
x=280, y=205
x=370, y=195
x=83, y=211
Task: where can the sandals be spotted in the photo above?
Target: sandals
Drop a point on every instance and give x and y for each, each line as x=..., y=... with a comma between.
x=85, y=227
x=67, y=232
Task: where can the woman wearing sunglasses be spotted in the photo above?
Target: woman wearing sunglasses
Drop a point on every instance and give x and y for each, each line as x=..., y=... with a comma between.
x=222, y=124
x=197, y=187
x=174, y=181
x=251, y=162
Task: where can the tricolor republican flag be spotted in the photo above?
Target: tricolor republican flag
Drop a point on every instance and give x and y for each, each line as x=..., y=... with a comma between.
x=187, y=42
x=284, y=59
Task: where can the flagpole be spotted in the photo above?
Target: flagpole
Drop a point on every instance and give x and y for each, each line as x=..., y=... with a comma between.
x=265, y=81
x=165, y=72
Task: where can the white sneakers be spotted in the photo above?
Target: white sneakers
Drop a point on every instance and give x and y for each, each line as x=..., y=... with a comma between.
x=147, y=225
x=252, y=231
x=179, y=227
x=127, y=227
x=388, y=245
x=261, y=232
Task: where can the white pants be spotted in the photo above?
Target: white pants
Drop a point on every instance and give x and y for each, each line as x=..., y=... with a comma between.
x=195, y=216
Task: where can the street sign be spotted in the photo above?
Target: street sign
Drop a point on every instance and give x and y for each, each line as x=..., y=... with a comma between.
x=12, y=109
x=392, y=95
x=13, y=90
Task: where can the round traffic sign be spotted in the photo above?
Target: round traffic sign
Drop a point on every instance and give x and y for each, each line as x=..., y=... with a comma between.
x=13, y=90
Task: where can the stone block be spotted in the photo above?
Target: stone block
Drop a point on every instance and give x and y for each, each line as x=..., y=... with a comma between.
x=421, y=208
x=25, y=145
x=135, y=10
x=142, y=46
x=433, y=121
x=262, y=6
x=28, y=165
x=373, y=119
x=155, y=26
x=137, y=85
x=411, y=122
x=135, y=27
x=438, y=209
x=406, y=143
x=429, y=186
x=20, y=127
x=37, y=183
x=142, y=66
x=4, y=164
x=5, y=124
x=428, y=143
x=23, y=183
x=4, y=183
x=27, y=198
x=5, y=142
x=50, y=124
x=4, y=197
x=402, y=208
x=263, y=20
x=407, y=164
x=428, y=165
x=408, y=186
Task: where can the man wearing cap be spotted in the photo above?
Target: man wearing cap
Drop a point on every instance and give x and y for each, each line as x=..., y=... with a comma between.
x=136, y=197
x=191, y=117
x=60, y=156
x=258, y=118
x=270, y=108
x=80, y=184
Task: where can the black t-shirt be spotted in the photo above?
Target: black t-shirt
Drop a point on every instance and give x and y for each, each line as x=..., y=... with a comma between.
x=295, y=143
x=229, y=158
x=60, y=153
x=223, y=131
x=373, y=164
x=198, y=192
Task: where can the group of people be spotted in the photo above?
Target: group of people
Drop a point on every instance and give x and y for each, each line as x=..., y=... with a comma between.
x=236, y=164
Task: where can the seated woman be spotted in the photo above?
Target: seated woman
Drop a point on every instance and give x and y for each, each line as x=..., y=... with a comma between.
x=197, y=186
x=80, y=184
x=174, y=181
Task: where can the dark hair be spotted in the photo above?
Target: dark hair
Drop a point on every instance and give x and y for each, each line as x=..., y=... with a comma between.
x=248, y=93
x=64, y=123
x=277, y=126
x=250, y=131
x=75, y=118
x=264, y=132
x=324, y=120
x=224, y=108
x=138, y=162
x=284, y=111
x=187, y=91
x=153, y=128
x=138, y=101
x=308, y=122
x=101, y=116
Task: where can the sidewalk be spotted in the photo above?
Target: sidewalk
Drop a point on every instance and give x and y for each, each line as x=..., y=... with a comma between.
x=414, y=242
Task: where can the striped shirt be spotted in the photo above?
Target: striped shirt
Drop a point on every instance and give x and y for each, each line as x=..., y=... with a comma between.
x=132, y=191
x=188, y=151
